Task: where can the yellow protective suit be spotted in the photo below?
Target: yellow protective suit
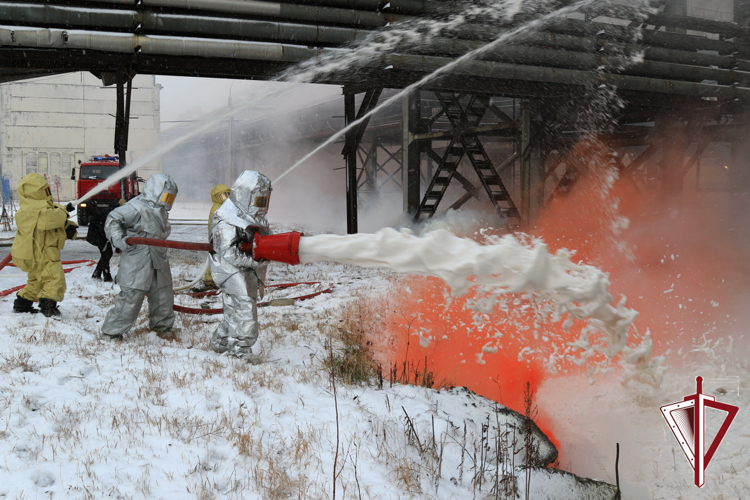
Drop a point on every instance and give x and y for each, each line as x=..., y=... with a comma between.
x=219, y=193
x=40, y=237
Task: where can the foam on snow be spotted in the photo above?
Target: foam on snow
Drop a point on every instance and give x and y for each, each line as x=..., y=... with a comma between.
x=505, y=265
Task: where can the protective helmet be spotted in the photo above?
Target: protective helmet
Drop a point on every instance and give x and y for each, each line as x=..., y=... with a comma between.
x=34, y=187
x=219, y=193
x=160, y=189
x=251, y=193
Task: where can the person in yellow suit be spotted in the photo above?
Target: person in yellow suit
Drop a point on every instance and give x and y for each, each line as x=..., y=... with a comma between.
x=218, y=194
x=43, y=227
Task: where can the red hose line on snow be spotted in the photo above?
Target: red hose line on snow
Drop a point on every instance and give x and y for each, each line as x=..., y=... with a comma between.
x=5, y=261
x=201, y=311
x=81, y=261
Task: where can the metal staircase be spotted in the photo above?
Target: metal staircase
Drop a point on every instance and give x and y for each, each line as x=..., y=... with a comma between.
x=464, y=118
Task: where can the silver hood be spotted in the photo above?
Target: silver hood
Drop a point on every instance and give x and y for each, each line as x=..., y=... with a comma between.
x=250, y=188
x=156, y=187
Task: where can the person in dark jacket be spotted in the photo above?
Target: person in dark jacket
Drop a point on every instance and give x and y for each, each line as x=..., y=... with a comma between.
x=96, y=237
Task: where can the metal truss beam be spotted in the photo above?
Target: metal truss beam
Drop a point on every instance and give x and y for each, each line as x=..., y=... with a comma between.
x=351, y=146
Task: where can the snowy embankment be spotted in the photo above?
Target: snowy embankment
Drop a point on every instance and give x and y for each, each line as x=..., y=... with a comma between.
x=157, y=419
x=148, y=418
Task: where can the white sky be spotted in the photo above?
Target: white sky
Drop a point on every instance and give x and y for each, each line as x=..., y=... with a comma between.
x=187, y=98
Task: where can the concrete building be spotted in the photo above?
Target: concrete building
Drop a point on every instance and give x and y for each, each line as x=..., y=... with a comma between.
x=48, y=124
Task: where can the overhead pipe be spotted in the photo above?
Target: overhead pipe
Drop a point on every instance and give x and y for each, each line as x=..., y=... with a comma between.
x=147, y=44
x=157, y=23
x=649, y=37
x=503, y=71
x=312, y=10
x=281, y=10
x=46, y=14
x=238, y=6
x=510, y=53
x=161, y=45
x=725, y=28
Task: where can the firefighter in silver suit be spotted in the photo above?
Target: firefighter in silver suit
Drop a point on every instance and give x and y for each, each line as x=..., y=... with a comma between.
x=240, y=278
x=143, y=269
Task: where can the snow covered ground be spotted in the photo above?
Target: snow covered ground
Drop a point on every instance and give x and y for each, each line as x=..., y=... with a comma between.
x=149, y=418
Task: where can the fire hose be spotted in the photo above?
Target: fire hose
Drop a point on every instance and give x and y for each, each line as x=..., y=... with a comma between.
x=196, y=310
x=282, y=247
x=7, y=259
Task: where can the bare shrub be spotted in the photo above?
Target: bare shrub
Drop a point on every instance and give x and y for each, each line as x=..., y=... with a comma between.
x=351, y=358
x=17, y=359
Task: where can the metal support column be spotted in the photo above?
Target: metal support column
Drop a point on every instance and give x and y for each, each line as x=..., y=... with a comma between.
x=525, y=165
x=412, y=109
x=122, y=122
x=351, y=146
x=350, y=157
x=671, y=172
x=742, y=12
x=536, y=156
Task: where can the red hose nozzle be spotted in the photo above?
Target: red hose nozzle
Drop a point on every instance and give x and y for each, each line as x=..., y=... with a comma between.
x=282, y=247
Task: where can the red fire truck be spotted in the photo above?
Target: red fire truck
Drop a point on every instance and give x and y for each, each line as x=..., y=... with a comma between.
x=92, y=173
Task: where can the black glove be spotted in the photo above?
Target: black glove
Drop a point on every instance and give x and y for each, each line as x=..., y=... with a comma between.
x=69, y=207
x=70, y=232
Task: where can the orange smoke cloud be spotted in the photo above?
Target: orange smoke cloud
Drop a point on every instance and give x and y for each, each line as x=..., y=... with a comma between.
x=672, y=260
x=454, y=355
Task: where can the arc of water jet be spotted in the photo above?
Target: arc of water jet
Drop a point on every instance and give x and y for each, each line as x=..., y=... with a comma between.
x=223, y=114
x=438, y=72
x=210, y=120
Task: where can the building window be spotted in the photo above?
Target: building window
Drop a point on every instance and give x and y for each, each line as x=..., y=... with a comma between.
x=54, y=163
x=43, y=168
x=30, y=163
x=65, y=164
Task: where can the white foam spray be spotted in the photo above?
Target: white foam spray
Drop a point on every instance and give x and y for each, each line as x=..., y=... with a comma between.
x=505, y=265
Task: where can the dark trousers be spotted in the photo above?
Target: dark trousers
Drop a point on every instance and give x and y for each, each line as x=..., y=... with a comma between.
x=106, y=256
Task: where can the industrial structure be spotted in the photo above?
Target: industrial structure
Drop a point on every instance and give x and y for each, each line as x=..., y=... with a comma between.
x=511, y=115
x=49, y=124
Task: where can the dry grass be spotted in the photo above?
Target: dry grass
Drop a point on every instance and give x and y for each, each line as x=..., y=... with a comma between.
x=233, y=442
x=18, y=359
x=352, y=358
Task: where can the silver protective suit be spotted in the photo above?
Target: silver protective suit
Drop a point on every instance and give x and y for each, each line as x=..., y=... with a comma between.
x=239, y=276
x=143, y=269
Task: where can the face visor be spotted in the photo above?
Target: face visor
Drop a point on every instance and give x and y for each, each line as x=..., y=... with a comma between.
x=222, y=196
x=167, y=199
x=262, y=201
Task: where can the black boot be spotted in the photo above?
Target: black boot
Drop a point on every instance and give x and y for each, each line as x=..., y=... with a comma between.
x=21, y=305
x=49, y=308
x=107, y=276
x=97, y=273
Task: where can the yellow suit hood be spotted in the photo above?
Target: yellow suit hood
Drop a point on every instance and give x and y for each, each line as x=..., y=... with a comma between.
x=40, y=224
x=217, y=192
x=34, y=188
